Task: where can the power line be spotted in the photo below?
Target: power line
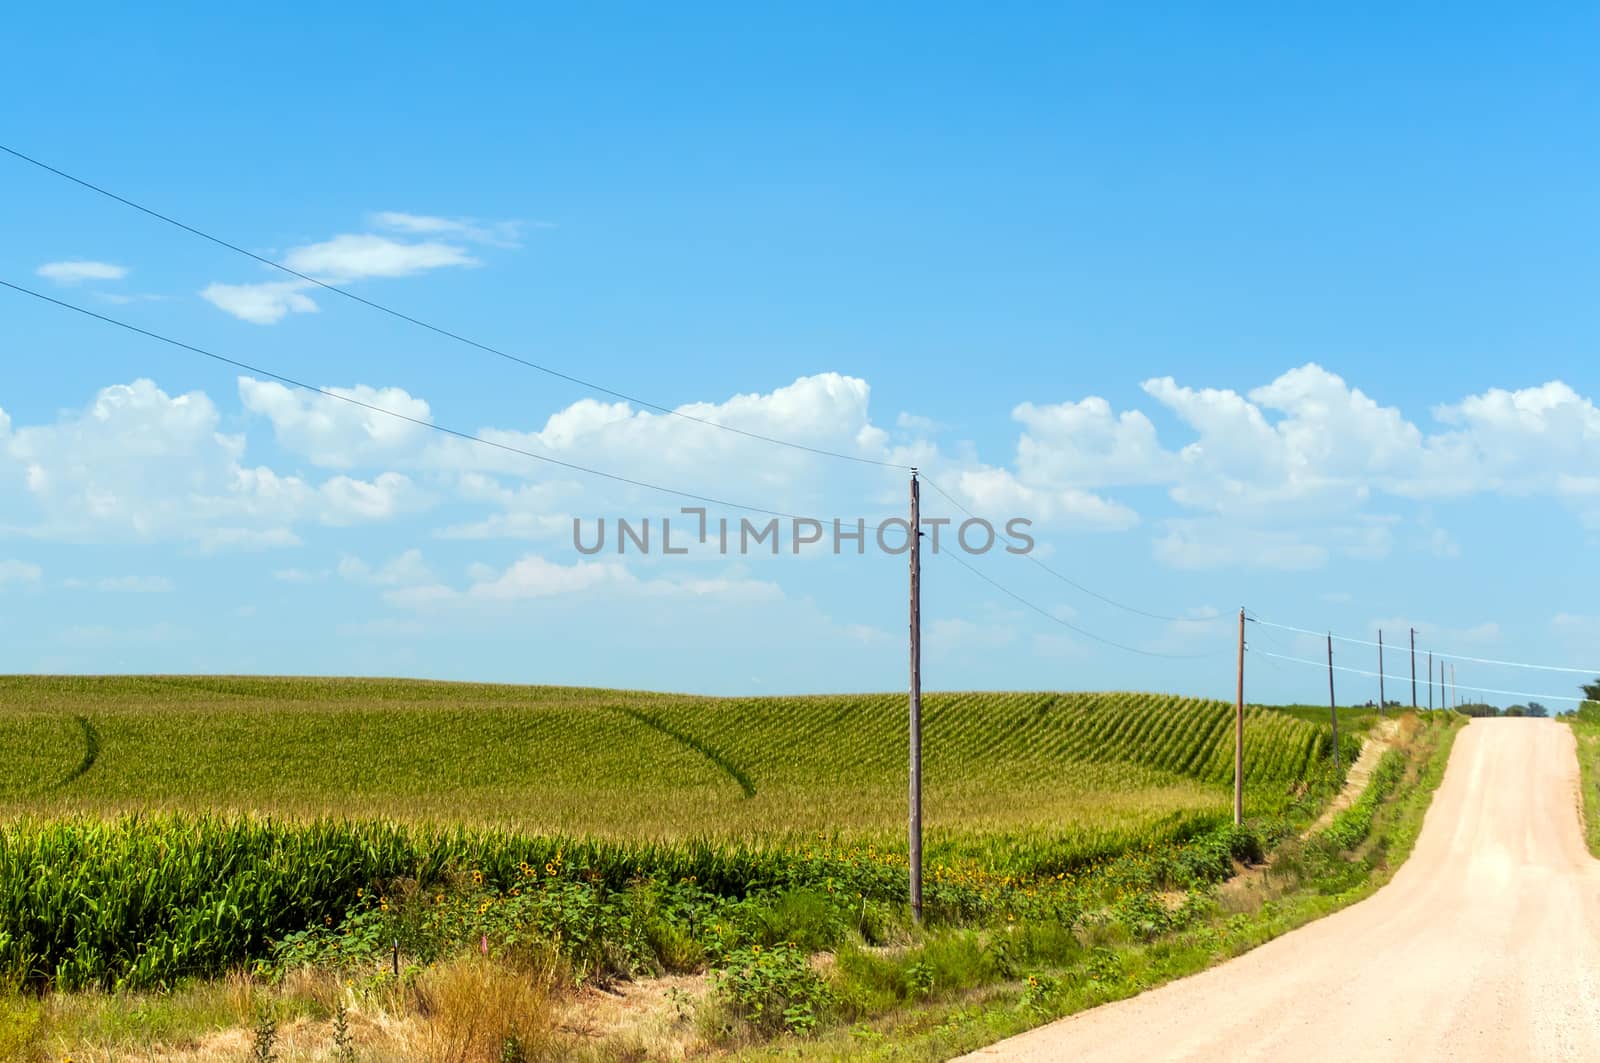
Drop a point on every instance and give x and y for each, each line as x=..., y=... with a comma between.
x=1069, y=581
x=457, y=433
x=1374, y=675
x=1047, y=614
x=1440, y=653
x=440, y=330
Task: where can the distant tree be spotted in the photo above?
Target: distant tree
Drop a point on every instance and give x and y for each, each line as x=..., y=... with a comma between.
x=1477, y=708
x=1536, y=709
x=1592, y=690
x=1516, y=710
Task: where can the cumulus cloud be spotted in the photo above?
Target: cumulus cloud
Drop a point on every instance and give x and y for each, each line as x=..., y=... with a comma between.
x=357, y=256
x=828, y=411
x=261, y=304
x=142, y=463
x=334, y=433
x=999, y=491
x=1085, y=444
x=502, y=233
x=76, y=271
x=535, y=577
x=350, y=257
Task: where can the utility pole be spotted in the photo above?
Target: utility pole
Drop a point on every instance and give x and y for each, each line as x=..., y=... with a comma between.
x=915, y=843
x=1413, y=668
x=1380, y=672
x=1238, y=734
x=1430, y=680
x=1333, y=706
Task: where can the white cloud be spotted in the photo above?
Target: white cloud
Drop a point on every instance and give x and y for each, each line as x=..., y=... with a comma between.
x=261, y=304
x=139, y=463
x=535, y=577
x=356, y=256
x=405, y=570
x=334, y=433
x=350, y=257
x=502, y=233
x=510, y=526
x=999, y=492
x=1086, y=445
x=77, y=271
x=345, y=500
x=18, y=573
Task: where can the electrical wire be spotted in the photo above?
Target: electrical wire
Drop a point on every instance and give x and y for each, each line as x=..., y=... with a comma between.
x=1405, y=679
x=458, y=434
x=1048, y=615
x=430, y=425
x=438, y=329
x=1437, y=653
x=1069, y=581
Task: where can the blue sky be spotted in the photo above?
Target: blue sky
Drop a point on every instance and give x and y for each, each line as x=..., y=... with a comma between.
x=1292, y=310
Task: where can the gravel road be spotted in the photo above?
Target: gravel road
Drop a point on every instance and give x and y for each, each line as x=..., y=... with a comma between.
x=1485, y=946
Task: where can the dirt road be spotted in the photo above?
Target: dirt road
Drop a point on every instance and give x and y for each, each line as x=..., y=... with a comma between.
x=1485, y=946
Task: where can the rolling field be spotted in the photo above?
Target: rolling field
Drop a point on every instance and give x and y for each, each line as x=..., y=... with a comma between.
x=634, y=766
x=157, y=831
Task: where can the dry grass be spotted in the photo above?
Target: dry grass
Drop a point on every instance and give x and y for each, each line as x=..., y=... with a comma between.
x=466, y=1010
x=473, y=1009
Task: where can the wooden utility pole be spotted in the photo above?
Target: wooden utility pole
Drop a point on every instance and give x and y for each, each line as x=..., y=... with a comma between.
x=1333, y=706
x=915, y=846
x=1413, y=668
x=1381, y=701
x=1238, y=734
x=1430, y=682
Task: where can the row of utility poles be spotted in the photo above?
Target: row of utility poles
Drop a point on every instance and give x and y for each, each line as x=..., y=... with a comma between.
x=1333, y=705
x=915, y=825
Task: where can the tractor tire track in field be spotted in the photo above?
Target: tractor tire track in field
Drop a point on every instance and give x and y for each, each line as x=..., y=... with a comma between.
x=91, y=753
x=715, y=756
x=1484, y=947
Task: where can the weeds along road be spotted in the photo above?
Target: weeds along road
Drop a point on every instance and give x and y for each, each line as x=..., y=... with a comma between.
x=1484, y=946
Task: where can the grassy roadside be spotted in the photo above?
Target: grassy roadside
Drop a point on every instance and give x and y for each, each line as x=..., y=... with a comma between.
x=1585, y=724
x=1307, y=879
